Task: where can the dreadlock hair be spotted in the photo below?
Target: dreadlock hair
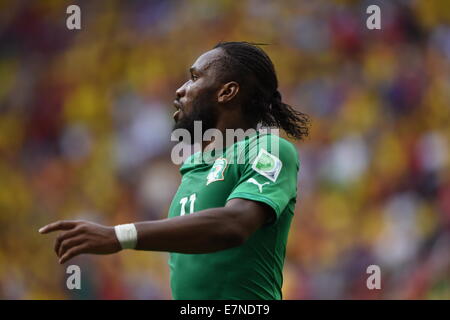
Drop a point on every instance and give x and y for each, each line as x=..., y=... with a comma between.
x=252, y=68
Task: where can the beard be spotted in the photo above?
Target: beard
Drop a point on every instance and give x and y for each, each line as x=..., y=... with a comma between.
x=204, y=110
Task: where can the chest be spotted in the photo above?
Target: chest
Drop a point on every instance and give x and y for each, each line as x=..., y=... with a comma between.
x=204, y=187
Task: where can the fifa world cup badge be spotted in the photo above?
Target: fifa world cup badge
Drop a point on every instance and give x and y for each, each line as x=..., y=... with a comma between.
x=217, y=171
x=267, y=165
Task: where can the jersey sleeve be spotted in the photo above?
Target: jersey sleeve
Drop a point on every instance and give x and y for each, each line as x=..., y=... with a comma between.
x=269, y=173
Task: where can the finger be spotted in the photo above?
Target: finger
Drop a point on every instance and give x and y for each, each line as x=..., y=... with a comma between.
x=73, y=252
x=58, y=225
x=67, y=244
x=63, y=236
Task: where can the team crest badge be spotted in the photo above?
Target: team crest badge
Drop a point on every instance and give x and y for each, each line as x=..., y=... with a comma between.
x=217, y=171
x=267, y=165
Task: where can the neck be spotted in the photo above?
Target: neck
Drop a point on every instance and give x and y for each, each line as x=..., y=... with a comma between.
x=231, y=121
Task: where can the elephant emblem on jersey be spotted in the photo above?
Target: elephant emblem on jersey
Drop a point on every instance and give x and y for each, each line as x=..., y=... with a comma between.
x=217, y=171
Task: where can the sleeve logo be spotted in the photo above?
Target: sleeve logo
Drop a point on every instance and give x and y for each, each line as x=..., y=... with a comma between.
x=259, y=185
x=267, y=165
x=217, y=170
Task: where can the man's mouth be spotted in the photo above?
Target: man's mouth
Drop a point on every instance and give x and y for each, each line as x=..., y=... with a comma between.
x=176, y=114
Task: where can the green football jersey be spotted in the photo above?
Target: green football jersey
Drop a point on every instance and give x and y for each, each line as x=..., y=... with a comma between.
x=263, y=168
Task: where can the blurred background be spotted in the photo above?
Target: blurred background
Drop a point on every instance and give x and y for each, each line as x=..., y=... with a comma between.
x=86, y=117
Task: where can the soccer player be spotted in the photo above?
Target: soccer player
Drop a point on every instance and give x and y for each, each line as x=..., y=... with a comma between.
x=228, y=223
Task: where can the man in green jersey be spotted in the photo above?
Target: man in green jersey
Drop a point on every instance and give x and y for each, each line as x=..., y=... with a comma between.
x=228, y=223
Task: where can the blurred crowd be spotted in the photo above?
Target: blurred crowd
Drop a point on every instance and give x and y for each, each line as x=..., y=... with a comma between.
x=86, y=117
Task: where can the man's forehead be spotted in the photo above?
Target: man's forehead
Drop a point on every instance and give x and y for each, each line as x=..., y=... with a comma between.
x=206, y=60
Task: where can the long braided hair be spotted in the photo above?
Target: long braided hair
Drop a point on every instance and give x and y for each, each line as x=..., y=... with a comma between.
x=249, y=65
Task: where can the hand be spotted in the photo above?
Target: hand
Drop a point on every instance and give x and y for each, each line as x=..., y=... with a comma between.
x=82, y=237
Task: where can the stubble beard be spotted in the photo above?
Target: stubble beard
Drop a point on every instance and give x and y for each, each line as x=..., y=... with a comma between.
x=204, y=110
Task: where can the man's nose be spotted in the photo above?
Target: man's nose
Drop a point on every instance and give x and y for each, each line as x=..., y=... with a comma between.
x=181, y=91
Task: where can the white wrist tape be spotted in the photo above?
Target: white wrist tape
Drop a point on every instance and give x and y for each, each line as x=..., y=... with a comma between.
x=127, y=235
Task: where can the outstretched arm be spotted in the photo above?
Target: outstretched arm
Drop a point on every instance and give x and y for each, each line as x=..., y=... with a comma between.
x=205, y=231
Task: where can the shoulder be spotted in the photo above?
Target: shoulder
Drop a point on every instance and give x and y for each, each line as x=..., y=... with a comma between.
x=273, y=144
x=267, y=143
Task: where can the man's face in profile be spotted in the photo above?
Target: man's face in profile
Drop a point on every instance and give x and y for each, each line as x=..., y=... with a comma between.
x=196, y=99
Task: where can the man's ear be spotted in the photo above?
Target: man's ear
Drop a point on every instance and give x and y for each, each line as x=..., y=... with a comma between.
x=228, y=91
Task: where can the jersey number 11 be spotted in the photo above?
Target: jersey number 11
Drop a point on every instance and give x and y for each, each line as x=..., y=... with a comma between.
x=183, y=202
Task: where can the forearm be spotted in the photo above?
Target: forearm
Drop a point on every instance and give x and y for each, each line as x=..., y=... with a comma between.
x=201, y=232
